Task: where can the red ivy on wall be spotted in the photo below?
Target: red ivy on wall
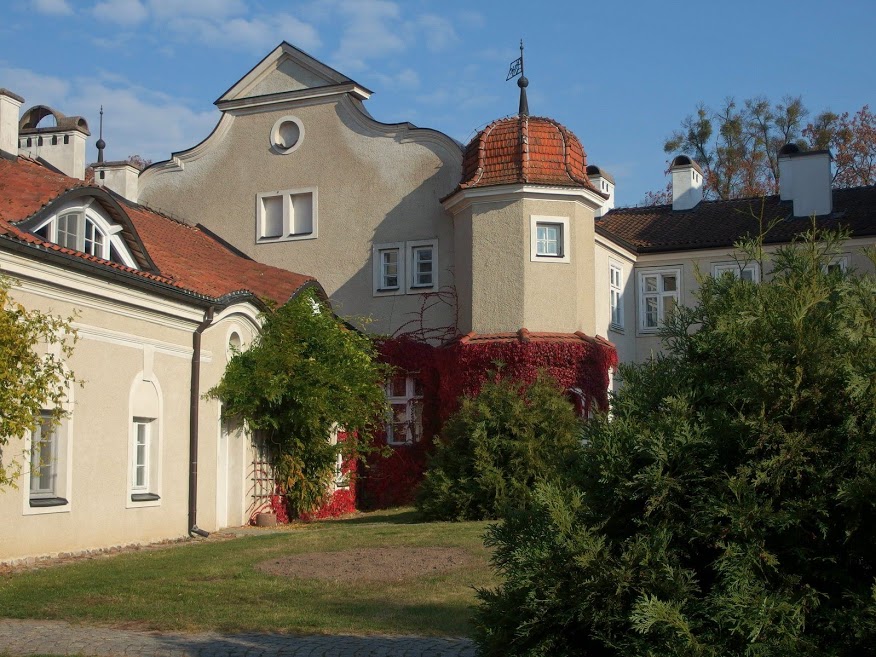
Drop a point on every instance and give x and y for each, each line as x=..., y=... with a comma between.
x=578, y=362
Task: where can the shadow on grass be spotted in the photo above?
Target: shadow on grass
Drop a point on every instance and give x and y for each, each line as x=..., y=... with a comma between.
x=387, y=517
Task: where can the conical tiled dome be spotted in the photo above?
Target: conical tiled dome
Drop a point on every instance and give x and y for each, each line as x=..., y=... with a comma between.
x=525, y=149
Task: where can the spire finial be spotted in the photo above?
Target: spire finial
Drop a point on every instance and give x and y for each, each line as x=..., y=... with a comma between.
x=515, y=70
x=101, y=144
x=523, y=110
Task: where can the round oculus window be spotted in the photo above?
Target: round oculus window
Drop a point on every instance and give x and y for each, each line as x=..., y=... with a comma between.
x=286, y=135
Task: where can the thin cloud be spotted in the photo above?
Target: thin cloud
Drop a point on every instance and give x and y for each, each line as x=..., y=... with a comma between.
x=255, y=34
x=438, y=32
x=53, y=7
x=137, y=120
x=122, y=12
x=197, y=8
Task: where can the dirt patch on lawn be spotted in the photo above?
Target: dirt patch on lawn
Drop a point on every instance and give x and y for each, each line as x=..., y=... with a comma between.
x=368, y=565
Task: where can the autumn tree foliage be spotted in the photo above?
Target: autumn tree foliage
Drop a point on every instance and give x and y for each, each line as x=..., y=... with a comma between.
x=851, y=140
x=33, y=375
x=727, y=508
x=737, y=145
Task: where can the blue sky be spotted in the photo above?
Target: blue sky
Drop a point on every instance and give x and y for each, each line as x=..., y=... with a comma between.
x=621, y=75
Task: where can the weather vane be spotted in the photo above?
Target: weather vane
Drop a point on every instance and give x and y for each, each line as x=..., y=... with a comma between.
x=516, y=69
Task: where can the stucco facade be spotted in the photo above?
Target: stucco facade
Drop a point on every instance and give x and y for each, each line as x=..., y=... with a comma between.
x=126, y=342
x=370, y=184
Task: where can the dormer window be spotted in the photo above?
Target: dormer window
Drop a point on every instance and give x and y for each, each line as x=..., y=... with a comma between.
x=77, y=231
x=87, y=230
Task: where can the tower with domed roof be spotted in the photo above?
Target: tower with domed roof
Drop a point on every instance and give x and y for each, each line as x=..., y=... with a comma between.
x=523, y=222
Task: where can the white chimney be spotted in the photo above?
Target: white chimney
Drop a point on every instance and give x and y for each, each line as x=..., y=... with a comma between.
x=122, y=178
x=10, y=103
x=687, y=183
x=805, y=179
x=604, y=182
x=60, y=143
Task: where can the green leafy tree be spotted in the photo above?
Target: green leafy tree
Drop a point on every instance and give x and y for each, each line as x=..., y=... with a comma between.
x=728, y=506
x=305, y=373
x=33, y=374
x=496, y=447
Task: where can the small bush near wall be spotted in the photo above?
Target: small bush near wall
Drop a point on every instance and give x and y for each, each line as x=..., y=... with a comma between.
x=495, y=448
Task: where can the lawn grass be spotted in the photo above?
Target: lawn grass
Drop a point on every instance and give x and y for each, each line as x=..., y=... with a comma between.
x=215, y=586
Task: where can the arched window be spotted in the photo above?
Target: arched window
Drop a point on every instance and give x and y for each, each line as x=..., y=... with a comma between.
x=84, y=229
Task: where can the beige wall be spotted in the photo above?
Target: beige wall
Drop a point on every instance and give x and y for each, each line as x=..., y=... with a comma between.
x=510, y=290
x=375, y=184
x=691, y=264
x=117, y=347
x=623, y=337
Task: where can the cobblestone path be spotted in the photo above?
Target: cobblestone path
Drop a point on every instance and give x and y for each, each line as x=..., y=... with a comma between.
x=32, y=637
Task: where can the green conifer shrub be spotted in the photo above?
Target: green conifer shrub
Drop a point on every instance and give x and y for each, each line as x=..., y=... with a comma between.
x=728, y=506
x=496, y=446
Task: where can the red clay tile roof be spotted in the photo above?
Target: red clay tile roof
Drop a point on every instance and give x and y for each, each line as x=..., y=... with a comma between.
x=525, y=149
x=524, y=335
x=186, y=257
x=715, y=224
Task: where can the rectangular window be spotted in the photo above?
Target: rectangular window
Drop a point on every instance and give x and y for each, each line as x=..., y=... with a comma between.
x=615, y=276
x=144, y=461
x=422, y=266
x=49, y=485
x=389, y=269
x=44, y=454
x=658, y=296
x=286, y=215
x=405, y=395
x=405, y=267
x=141, y=455
x=747, y=272
x=68, y=231
x=549, y=239
x=836, y=264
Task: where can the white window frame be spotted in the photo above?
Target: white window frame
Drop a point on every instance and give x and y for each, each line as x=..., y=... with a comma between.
x=109, y=230
x=736, y=268
x=842, y=261
x=411, y=249
x=560, y=222
x=406, y=252
x=58, y=498
x=616, y=295
x=143, y=412
x=413, y=418
x=378, y=276
x=146, y=424
x=146, y=494
x=287, y=197
x=660, y=295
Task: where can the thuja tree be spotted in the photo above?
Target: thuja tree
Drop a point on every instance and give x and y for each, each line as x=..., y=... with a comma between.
x=494, y=449
x=306, y=373
x=33, y=374
x=728, y=506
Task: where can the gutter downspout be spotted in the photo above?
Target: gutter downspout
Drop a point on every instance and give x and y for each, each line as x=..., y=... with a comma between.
x=193, y=423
